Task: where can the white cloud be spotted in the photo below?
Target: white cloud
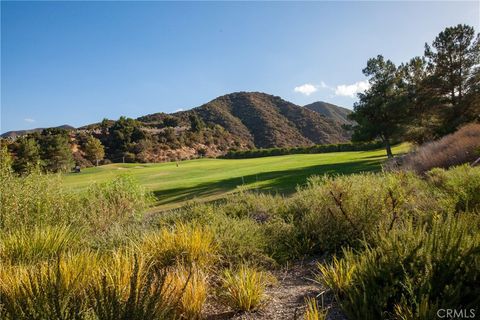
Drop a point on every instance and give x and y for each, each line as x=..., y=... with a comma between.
x=29, y=120
x=306, y=89
x=351, y=90
x=178, y=110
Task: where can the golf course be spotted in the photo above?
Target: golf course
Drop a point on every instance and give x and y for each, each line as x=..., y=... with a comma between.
x=212, y=179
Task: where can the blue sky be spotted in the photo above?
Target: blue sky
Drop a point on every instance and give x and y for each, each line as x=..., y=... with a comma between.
x=79, y=62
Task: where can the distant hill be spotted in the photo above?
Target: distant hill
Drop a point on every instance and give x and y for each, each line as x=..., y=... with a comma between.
x=331, y=111
x=13, y=134
x=236, y=121
x=262, y=120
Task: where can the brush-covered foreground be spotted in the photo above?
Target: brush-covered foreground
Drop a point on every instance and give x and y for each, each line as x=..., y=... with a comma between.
x=404, y=246
x=210, y=179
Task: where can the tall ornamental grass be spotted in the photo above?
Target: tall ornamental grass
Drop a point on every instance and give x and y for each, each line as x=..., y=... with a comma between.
x=186, y=244
x=29, y=246
x=243, y=288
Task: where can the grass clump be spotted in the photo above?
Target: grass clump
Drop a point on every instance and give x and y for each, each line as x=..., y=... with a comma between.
x=43, y=294
x=48, y=290
x=313, y=311
x=186, y=244
x=191, y=285
x=143, y=296
x=411, y=272
x=86, y=286
x=243, y=289
x=37, y=244
x=236, y=236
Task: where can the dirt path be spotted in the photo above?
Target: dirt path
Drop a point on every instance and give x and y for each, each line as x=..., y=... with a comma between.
x=287, y=297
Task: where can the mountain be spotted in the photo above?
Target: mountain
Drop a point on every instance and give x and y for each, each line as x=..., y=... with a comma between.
x=13, y=134
x=238, y=121
x=263, y=121
x=331, y=111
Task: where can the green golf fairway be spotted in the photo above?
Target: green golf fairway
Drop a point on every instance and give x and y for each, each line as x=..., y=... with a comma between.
x=210, y=179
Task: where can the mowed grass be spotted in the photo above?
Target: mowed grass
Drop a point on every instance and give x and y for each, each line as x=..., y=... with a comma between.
x=211, y=179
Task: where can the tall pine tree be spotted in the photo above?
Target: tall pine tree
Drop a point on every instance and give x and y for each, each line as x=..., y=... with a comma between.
x=453, y=80
x=56, y=152
x=380, y=111
x=27, y=155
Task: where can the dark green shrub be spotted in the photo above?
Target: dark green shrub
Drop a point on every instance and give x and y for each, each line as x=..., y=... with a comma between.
x=460, y=184
x=332, y=212
x=411, y=272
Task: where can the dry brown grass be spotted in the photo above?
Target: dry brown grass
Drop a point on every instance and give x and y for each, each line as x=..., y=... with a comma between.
x=458, y=148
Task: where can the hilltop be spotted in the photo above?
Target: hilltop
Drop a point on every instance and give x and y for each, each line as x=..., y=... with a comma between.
x=331, y=111
x=17, y=133
x=263, y=121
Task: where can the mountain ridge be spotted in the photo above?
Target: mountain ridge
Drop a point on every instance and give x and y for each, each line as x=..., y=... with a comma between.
x=263, y=120
x=331, y=111
x=16, y=133
x=252, y=119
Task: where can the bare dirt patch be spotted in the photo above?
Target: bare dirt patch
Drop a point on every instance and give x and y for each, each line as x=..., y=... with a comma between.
x=286, y=299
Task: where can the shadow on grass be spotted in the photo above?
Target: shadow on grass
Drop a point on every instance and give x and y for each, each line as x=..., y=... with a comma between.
x=282, y=182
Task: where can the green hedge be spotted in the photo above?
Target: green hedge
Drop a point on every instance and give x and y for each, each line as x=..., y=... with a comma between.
x=319, y=148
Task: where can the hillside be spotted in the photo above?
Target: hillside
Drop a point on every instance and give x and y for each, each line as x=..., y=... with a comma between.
x=262, y=120
x=16, y=133
x=236, y=121
x=331, y=111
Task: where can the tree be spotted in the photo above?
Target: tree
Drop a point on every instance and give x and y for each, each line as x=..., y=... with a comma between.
x=124, y=133
x=55, y=150
x=104, y=125
x=453, y=62
x=143, y=150
x=94, y=150
x=27, y=155
x=420, y=111
x=196, y=124
x=168, y=136
x=171, y=121
x=381, y=110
